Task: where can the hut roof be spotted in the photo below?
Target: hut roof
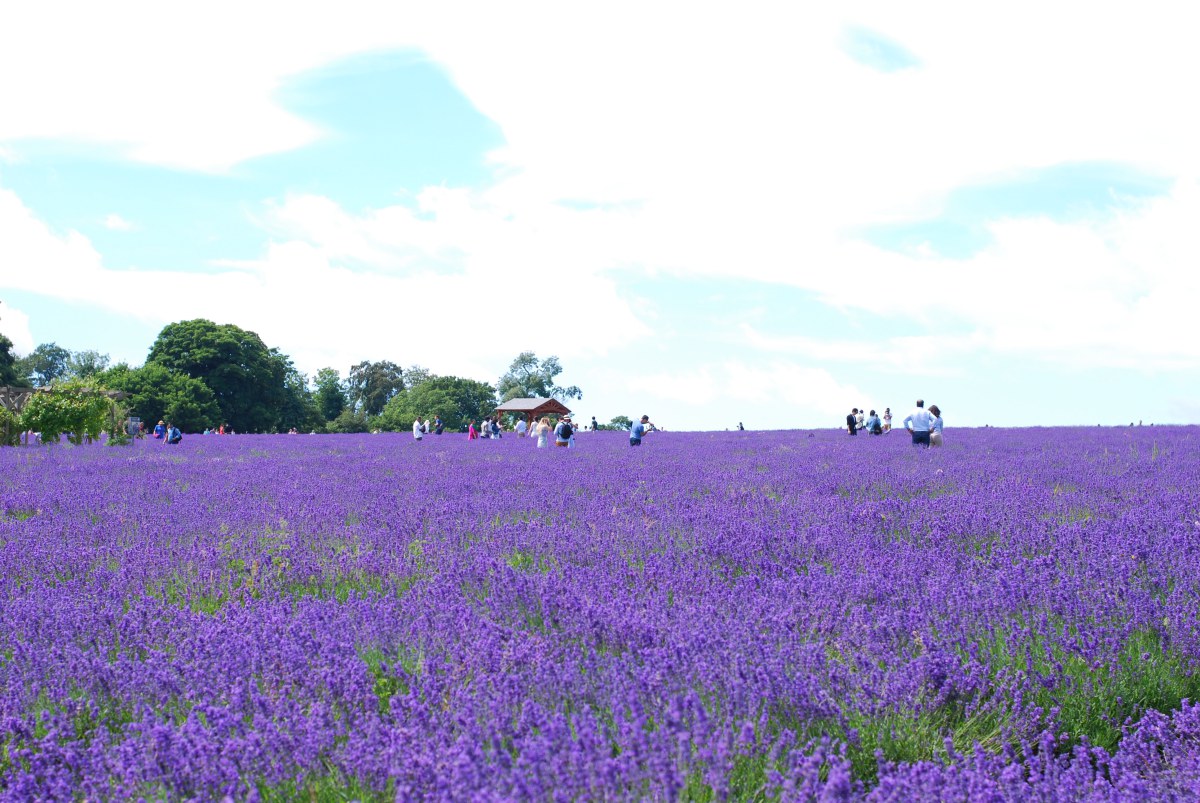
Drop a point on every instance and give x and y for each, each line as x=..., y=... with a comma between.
x=534, y=406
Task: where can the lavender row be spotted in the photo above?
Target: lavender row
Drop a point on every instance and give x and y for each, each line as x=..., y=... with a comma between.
x=710, y=616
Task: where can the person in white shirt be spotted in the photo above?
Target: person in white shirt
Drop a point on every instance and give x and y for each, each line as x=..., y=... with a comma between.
x=887, y=419
x=919, y=422
x=418, y=429
x=521, y=428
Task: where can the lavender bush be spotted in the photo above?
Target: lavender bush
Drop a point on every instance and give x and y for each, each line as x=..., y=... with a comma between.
x=712, y=616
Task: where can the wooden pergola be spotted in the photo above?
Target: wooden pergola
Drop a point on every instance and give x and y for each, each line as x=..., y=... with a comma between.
x=14, y=400
x=534, y=408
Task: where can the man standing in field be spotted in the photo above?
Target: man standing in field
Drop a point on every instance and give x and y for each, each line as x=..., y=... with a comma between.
x=919, y=422
x=418, y=429
x=638, y=430
x=852, y=421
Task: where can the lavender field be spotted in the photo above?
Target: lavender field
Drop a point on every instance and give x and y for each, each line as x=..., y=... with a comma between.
x=715, y=616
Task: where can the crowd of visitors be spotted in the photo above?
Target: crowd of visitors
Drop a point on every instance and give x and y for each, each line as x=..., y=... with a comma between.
x=924, y=425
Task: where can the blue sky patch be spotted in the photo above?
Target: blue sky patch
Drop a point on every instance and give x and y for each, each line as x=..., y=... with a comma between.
x=876, y=51
x=1062, y=193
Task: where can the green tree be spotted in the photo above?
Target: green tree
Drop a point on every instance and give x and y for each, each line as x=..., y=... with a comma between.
x=79, y=408
x=330, y=395
x=86, y=363
x=371, y=384
x=158, y=393
x=455, y=399
x=299, y=407
x=45, y=364
x=348, y=421
x=621, y=422
x=528, y=377
x=247, y=378
x=415, y=375
x=10, y=375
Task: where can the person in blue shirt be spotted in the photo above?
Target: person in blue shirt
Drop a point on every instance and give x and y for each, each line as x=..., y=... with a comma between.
x=873, y=424
x=639, y=430
x=160, y=430
x=919, y=422
x=935, y=431
x=173, y=434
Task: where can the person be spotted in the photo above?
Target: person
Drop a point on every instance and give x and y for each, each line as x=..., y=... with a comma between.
x=935, y=432
x=887, y=419
x=496, y=426
x=439, y=426
x=563, y=432
x=638, y=430
x=173, y=434
x=472, y=435
x=522, y=428
x=852, y=421
x=543, y=432
x=918, y=423
x=418, y=429
x=740, y=427
x=858, y=417
x=595, y=426
x=874, y=425
x=160, y=430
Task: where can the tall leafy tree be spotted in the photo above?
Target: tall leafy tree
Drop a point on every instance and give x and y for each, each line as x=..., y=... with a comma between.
x=86, y=363
x=10, y=374
x=371, y=384
x=455, y=399
x=330, y=394
x=246, y=378
x=528, y=376
x=45, y=364
x=156, y=392
x=299, y=407
x=415, y=375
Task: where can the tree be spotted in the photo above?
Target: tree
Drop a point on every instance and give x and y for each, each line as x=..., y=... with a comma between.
x=76, y=407
x=246, y=378
x=157, y=393
x=455, y=399
x=415, y=375
x=371, y=384
x=299, y=407
x=9, y=364
x=84, y=364
x=621, y=422
x=528, y=377
x=348, y=421
x=330, y=395
x=45, y=364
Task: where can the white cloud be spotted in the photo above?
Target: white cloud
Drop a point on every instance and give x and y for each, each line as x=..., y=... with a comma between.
x=708, y=143
x=779, y=384
x=115, y=222
x=15, y=324
x=299, y=296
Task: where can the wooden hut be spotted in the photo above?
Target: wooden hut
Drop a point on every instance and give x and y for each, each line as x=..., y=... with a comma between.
x=534, y=408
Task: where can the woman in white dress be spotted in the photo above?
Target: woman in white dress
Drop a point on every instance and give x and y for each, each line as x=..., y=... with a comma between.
x=543, y=429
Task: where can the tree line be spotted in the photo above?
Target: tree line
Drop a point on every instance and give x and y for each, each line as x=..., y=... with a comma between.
x=200, y=375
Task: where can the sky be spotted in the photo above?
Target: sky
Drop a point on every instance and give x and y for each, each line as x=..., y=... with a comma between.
x=712, y=214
